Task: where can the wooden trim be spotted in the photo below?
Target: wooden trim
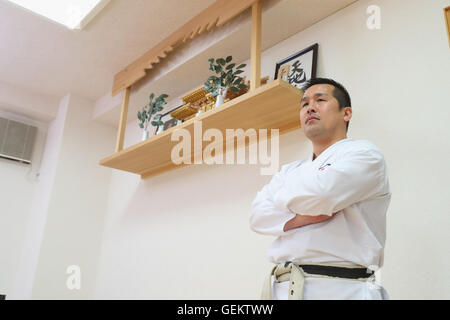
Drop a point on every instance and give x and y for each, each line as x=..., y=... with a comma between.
x=255, y=56
x=155, y=172
x=123, y=120
x=447, y=22
x=215, y=15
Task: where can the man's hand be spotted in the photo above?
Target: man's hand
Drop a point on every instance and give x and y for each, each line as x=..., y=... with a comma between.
x=300, y=221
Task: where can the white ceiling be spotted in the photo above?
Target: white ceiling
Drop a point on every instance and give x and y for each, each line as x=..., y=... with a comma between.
x=49, y=58
x=44, y=57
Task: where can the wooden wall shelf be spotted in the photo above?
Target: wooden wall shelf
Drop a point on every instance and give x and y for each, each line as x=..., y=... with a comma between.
x=275, y=105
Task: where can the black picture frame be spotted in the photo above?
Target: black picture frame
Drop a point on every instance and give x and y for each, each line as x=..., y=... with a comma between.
x=308, y=57
x=168, y=121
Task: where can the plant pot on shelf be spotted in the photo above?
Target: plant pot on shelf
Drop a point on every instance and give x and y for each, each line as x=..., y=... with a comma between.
x=144, y=135
x=220, y=98
x=146, y=113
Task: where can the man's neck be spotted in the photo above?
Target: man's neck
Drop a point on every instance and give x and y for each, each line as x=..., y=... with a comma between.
x=321, y=146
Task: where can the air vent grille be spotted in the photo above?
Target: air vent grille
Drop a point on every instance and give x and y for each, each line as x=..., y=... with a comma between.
x=16, y=140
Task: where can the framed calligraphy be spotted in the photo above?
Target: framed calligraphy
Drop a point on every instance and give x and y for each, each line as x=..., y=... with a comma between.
x=299, y=67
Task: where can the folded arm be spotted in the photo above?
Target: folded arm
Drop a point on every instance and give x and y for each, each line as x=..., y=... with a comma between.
x=271, y=219
x=356, y=176
x=301, y=221
x=266, y=217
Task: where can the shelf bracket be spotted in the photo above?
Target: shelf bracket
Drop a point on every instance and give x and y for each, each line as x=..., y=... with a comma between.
x=255, y=56
x=123, y=120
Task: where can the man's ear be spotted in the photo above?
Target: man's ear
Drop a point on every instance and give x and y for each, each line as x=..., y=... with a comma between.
x=347, y=113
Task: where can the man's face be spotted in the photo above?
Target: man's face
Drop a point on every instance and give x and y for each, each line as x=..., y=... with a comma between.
x=320, y=116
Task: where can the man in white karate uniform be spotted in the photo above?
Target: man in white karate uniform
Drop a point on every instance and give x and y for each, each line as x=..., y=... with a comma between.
x=328, y=211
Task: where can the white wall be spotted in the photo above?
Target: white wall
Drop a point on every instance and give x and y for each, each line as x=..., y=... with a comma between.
x=29, y=254
x=75, y=216
x=184, y=234
x=17, y=185
x=65, y=219
x=36, y=106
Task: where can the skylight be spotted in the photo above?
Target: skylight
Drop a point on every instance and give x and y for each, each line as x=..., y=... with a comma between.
x=74, y=14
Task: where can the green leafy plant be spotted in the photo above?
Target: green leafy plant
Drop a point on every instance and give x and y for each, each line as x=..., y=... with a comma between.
x=226, y=77
x=150, y=109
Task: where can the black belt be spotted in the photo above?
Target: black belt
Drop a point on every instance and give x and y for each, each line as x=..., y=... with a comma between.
x=339, y=272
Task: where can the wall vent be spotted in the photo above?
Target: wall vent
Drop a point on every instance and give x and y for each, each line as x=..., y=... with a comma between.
x=16, y=140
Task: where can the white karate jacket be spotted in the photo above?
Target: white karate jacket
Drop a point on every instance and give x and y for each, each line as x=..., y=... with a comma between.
x=349, y=177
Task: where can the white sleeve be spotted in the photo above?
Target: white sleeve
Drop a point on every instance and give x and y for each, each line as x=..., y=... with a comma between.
x=356, y=176
x=266, y=217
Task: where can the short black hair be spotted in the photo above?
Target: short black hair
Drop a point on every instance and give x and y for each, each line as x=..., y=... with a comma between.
x=339, y=91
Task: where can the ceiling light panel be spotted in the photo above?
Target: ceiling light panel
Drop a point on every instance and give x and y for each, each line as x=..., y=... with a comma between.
x=74, y=14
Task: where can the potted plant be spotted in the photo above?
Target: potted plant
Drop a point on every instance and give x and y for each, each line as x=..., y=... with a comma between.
x=225, y=79
x=146, y=113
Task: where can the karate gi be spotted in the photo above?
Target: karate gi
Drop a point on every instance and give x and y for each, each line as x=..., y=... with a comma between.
x=349, y=177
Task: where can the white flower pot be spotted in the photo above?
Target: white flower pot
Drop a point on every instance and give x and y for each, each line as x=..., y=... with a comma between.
x=144, y=135
x=219, y=100
x=221, y=96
